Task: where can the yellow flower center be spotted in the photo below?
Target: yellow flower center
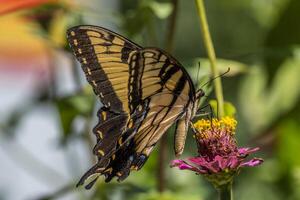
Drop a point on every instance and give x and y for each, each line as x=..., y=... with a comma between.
x=225, y=123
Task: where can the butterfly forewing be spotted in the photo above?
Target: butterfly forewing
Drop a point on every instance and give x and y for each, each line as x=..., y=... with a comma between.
x=104, y=58
x=143, y=90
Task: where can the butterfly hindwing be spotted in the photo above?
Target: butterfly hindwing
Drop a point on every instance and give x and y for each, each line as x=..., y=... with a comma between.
x=116, y=154
x=167, y=86
x=167, y=90
x=107, y=131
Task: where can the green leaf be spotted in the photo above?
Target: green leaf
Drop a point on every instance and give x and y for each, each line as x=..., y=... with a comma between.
x=229, y=108
x=268, y=103
x=288, y=144
x=222, y=65
x=141, y=15
x=282, y=37
x=204, y=74
x=71, y=107
x=161, y=10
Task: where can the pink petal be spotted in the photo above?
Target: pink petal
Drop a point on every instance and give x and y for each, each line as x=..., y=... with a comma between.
x=233, y=162
x=197, y=160
x=253, y=162
x=222, y=162
x=246, y=151
x=213, y=167
x=203, y=166
x=182, y=165
x=176, y=162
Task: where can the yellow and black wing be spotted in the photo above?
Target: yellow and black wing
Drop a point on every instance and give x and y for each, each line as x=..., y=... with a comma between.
x=104, y=57
x=144, y=91
x=169, y=91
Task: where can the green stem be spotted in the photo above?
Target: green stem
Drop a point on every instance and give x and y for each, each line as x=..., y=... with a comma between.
x=163, y=151
x=211, y=55
x=225, y=192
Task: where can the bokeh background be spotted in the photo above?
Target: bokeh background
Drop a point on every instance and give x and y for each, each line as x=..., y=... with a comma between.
x=47, y=110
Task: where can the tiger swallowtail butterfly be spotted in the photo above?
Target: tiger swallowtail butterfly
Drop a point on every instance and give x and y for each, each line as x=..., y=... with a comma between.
x=143, y=91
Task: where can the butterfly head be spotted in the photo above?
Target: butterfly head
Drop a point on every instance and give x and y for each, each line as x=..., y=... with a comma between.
x=200, y=93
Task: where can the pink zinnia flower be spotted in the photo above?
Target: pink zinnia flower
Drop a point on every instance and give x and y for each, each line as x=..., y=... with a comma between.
x=219, y=158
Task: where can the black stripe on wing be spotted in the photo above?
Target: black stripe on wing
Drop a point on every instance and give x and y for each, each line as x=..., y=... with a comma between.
x=116, y=153
x=154, y=73
x=150, y=69
x=104, y=56
x=132, y=83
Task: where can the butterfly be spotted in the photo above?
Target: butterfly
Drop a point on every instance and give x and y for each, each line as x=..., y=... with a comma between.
x=143, y=91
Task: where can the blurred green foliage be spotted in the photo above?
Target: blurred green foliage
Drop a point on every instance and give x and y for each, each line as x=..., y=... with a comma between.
x=72, y=107
x=282, y=37
x=229, y=109
x=257, y=39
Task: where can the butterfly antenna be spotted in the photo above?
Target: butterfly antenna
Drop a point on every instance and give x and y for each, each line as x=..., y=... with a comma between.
x=199, y=64
x=212, y=79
